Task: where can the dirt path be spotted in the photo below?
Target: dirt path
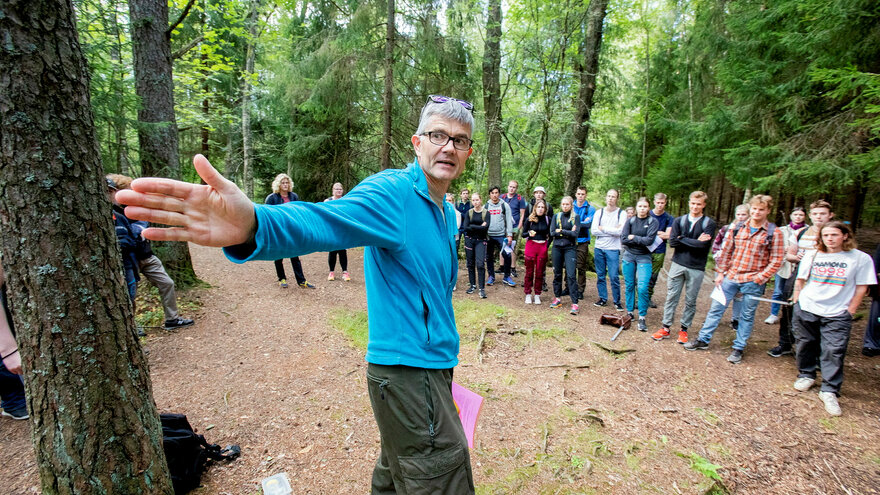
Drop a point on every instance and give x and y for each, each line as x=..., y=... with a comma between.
x=264, y=367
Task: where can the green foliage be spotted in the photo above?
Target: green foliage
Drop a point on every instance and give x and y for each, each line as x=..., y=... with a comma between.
x=702, y=465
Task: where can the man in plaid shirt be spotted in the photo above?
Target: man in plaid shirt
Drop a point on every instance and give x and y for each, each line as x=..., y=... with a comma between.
x=752, y=253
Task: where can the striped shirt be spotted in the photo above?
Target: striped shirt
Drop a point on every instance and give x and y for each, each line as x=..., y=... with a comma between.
x=749, y=258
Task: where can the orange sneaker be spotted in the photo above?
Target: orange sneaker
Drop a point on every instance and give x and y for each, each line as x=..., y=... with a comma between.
x=682, y=337
x=661, y=334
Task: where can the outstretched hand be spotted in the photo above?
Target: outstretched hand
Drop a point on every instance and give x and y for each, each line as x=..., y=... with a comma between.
x=217, y=214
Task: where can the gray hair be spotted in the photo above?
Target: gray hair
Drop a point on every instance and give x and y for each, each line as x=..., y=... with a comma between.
x=451, y=110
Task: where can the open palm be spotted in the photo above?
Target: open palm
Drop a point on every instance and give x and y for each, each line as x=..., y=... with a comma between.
x=217, y=214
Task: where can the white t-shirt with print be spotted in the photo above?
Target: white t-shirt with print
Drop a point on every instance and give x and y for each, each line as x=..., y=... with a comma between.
x=832, y=279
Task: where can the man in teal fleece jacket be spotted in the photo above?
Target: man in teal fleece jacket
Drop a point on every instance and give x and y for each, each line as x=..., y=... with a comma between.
x=409, y=267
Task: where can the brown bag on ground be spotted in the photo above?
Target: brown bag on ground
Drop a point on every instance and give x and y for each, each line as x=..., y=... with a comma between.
x=616, y=320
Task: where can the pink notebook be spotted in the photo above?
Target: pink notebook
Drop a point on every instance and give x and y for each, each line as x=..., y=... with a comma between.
x=468, y=405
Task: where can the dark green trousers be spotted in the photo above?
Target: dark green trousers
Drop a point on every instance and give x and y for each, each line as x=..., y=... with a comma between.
x=423, y=446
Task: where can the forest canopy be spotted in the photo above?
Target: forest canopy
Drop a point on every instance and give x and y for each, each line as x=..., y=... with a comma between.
x=733, y=98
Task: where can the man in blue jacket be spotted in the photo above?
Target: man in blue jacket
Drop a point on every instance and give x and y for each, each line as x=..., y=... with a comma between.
x=409, y=269
x=585, y=212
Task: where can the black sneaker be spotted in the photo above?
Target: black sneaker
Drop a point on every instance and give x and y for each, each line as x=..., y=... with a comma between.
x=696, y=345
x=652, y=305
x=735, y=357
x=618, y=306
x=471, y=289
x=513, y=273
x=643, y=325
x=482, y=294
x=177, y=323
x=735, y=324
x=600, y=303
x=870, y=351
x=18, y=414
x=629, y=313
x=780, y=351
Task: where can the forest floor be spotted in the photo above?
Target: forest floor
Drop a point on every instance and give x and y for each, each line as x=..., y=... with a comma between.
x=275, y=371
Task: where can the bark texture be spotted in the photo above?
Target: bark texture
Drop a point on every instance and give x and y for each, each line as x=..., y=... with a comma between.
x=389, y=87
x=95, y=425
x=588, y=73
x=492, y=91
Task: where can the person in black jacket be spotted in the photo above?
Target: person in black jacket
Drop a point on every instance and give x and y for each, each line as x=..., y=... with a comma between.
x=637, y=238
x=871, y=344
x=536, y=231
x=127, y=239
x=691, y=237
x=564, y=230
x=475, y=225
x=282, y=194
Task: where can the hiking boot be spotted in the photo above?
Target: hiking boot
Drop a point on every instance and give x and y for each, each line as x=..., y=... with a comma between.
x=618, y=306
x=661, y=334
x=482, y=294
x=556, y=303
x=331, y=277
x=772, y=320
x=643, y=325
x=490, y=280
x=780, y=351
x=471, y=289
x=696, y=345
x=574, y=309
x=736, y=357
x=600, y=303
x=682, y=336
x=802, y=384
x=831, y=405
x=306, y=285
x=509, y=281
x=19, y=414
x=283, y=283
x=177, y=323
x=528, y=299
x=346, y=277
x=537, y=299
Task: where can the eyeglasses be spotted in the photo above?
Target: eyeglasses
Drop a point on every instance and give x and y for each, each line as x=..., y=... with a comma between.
x=443, y=99
x=441, y=139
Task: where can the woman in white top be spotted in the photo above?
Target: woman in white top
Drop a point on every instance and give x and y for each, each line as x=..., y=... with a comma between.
x=788, y=232
x=830, y=286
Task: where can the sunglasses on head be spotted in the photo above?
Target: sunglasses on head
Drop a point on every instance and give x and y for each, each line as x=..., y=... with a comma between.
x=443, y=99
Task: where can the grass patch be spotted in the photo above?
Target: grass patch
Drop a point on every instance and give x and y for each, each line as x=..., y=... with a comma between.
x=352, y=324
x=471, y=317
x=707, y=416
x=149, y=306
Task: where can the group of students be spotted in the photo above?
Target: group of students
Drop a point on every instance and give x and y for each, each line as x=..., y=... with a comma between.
x=820, y=278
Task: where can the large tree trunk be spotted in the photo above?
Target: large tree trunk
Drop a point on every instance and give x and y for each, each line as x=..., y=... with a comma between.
x=389, y=86
x=492, y=91
x=95, y=425
x=588, y=74
x=157, y=126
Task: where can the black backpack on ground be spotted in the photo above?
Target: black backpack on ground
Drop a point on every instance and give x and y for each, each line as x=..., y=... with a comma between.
x=188, y=453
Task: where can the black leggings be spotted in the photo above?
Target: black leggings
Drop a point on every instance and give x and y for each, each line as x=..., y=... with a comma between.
x=475, y=254
x=297, y=270
x=343, y=260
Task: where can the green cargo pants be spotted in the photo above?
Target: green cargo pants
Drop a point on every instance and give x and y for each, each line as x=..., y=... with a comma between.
x=423, y=446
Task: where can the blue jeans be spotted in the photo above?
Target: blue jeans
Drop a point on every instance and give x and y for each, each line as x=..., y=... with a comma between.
x=778, y=289
x=608, y=261
x=746, y=317
x=642, y=265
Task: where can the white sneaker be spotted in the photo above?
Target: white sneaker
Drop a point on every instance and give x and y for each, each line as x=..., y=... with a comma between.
x=831, y=405
x=804, y=383
x=772, y=320
x=537, y=299
x=528, y=299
